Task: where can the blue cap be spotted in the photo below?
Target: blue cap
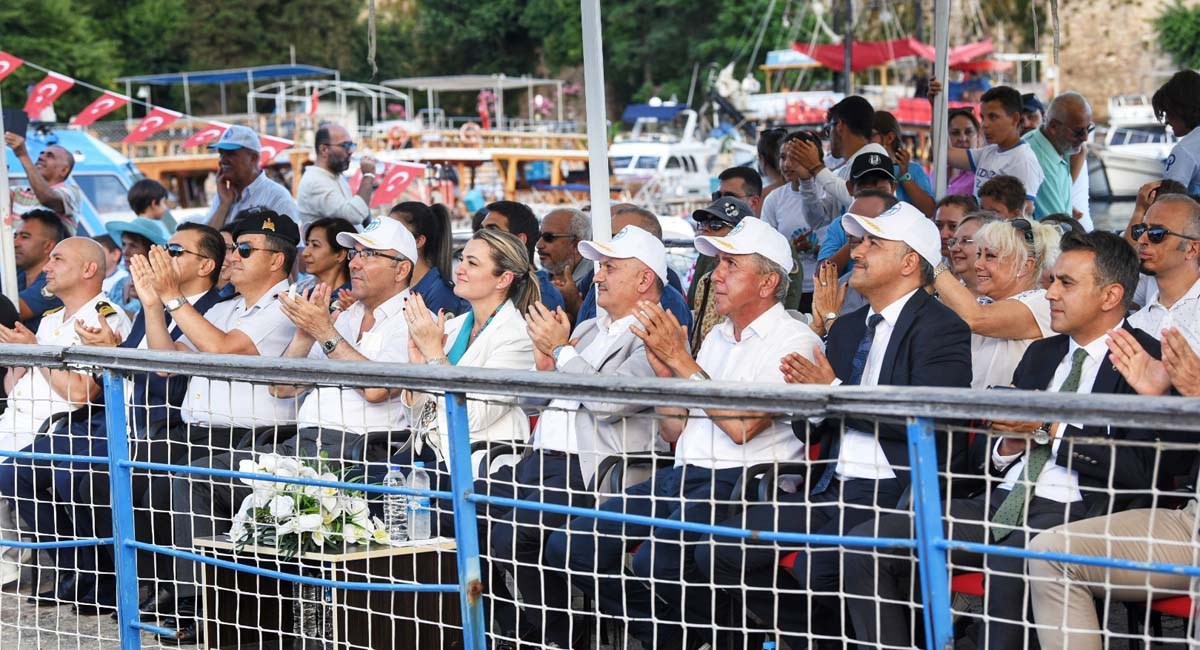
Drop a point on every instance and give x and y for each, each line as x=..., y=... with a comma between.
x=238, y=137
x=148, y=228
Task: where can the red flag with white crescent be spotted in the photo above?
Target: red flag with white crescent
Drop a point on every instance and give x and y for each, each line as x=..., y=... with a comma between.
x=8, y=63
x=47, y=90
x=271, y=147
x=355, y=180
x=398, y=177
x=156, y=120
x=104, y=104
x=209, y=133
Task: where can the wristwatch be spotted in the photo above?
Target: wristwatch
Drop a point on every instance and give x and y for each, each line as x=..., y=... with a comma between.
x=175, y=303
x=1041, y=436
x=332, y=343
x=699, y=375
x=831, y=316
x=905, y=178
x=555, y=351
x=940, y=269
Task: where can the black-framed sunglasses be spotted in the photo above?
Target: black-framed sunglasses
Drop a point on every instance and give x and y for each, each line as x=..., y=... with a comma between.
x=1080, y=134
x=245, y=250
x=827, y=129
x=368, y=253
x=1156, y=233
x=1025, y=227
x=712, y=225
x=177, y=250
x=717, y=196
x=348, y=146
x=555, y=236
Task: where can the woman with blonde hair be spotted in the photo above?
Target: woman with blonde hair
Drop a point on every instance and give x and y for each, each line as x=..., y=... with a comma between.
x=1008, y=269
x=497, y=280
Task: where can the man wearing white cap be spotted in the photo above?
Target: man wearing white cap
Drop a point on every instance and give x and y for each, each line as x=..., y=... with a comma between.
x=713, y=446
x=902, y=337
x=572, y=436
x=241, y=183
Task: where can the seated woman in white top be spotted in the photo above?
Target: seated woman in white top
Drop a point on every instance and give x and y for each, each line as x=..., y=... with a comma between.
x=497, y=279
x=1012, y=255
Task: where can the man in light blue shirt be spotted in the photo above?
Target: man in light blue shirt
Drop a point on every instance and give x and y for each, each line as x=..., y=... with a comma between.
x=1062, y=135
x=241, y=183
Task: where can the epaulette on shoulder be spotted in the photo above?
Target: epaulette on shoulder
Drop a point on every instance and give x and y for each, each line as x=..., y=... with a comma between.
x=51, y=311
x=105, y=309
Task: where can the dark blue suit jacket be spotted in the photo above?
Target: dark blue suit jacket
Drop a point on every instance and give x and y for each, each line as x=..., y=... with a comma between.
x=930, y=346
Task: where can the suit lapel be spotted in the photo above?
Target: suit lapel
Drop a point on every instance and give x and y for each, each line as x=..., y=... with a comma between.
x=1043, y=373
x=908, y=316
x=847, y=332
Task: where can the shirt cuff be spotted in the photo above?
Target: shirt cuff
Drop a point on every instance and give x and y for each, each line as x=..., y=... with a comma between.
x=1003, y=462
x=836, y=382
x=565, y=354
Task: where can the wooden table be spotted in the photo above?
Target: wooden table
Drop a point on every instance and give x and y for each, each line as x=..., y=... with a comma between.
x=244, y=610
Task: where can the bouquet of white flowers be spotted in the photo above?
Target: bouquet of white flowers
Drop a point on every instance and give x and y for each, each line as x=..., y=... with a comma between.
x=297, y=518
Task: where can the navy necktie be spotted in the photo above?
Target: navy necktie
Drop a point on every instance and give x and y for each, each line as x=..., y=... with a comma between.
x=857, y=365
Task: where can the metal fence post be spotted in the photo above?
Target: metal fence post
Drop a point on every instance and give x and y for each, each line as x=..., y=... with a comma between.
x=120, y=487
x=931, y=548
x=466, y=536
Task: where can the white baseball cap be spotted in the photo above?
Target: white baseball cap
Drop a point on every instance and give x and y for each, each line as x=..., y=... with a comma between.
x=383, y=234
x=902, y=222
x=751, y=235
x=631, y=243
x=238, y=137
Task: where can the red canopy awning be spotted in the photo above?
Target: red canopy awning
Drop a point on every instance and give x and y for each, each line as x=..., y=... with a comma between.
x=864, y=55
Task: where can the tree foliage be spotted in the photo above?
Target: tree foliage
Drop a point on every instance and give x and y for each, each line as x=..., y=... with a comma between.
x=1178, y=28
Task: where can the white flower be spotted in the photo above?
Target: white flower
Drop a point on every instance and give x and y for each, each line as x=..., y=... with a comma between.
x=353, y=534
x=380, y=536
x=318, y=537
x=307, y=523
x=282, y=506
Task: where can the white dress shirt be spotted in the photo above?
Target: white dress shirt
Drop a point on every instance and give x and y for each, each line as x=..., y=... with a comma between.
x=1056, y=483
x=325, y=194
x=754, y=358
x=33, y=399
x=1184, y=315
x=219, y=402
x=556, y=426
x=861, y=455
x=345, y=409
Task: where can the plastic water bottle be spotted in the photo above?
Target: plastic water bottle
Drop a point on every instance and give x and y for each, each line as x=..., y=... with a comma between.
x=395, y=506
x=418, y=506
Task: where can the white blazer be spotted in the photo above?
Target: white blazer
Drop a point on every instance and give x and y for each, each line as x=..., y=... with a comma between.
x=504, y=343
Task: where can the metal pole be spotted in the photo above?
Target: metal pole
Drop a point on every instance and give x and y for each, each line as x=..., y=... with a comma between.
x=8, y=260
x=129, y=105
x=941, y=69
x=122, y=512
x=466, y=537
x=848, y=48
x=187, y=96
x=250, y=93
x=931, y=542
x=597, y=125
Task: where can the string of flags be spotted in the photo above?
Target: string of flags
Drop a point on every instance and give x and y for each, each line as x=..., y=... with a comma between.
x=395, y=178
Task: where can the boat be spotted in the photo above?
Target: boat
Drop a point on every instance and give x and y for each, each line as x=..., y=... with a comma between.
x=1130, y=152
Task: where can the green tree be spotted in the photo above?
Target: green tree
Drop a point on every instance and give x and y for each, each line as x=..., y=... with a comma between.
x=1178, y=28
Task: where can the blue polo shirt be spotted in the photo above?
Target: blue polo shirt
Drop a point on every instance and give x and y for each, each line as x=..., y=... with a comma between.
x=32, y=295
x=439, y=294
x=919, y=177
x=1054, y=194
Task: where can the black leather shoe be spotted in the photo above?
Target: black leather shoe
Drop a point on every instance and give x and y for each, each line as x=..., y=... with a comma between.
x=48, y=598
x=93, y=609
x=159, y=602
x=186, y=632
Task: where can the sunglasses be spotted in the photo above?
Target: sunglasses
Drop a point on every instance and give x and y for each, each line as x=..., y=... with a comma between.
x=1156, y=233
x=555, y=236
x=245, y=250
x=177, y=250
x=828, y=127
x=712, y=225
x=1080, y=134
x=1026, y=229
x=717, y=196
x=348, y=146
x=367, y=254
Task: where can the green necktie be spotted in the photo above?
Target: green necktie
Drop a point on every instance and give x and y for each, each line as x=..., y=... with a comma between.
x=1010, y=513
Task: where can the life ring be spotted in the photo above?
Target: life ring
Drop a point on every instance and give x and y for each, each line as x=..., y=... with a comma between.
x=471, y=134
x=397, y=137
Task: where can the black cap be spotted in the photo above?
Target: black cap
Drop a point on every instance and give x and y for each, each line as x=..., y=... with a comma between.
x=1030, y=103
x=264, y=221
x=727, y=209
x=866, y=163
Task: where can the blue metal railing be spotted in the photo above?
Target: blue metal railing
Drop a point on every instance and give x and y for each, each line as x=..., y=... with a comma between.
x=930, y=544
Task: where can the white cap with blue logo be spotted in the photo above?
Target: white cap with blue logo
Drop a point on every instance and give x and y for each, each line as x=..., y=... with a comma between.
x=631, y=243
x=383, y=234
x=750, y=236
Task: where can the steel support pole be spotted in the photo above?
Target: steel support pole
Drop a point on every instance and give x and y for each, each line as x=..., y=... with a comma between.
x=121, y=488
x=466, y=536
x=939, y=134
x=597, y=124
x=931, y=543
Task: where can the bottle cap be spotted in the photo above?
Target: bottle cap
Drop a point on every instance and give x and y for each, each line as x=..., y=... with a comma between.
x=419, y=464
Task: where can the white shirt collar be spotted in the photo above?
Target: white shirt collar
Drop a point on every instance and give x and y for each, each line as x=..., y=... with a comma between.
x=760, y=327
x=891, y=313
x=1096, y=349
x=1193, y=293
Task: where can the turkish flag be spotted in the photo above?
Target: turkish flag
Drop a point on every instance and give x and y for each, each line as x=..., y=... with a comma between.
x=271, y=147
x=45, y=92
x=156, y=120
x=104, y=104
x=397, y=177
x=209, y=133
x=355, y=180
x=8, y=63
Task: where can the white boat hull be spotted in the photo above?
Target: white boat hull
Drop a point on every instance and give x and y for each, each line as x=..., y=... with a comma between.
x=1130, y=167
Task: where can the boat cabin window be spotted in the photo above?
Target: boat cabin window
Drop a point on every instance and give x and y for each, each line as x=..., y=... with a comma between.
x=621, y=162
x=646, y=162
x=673, y=163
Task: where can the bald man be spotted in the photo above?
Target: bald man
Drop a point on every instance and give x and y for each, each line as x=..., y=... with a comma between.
x=75, y=273
x=1061, y=136
x=48, y=187
x=324, y=190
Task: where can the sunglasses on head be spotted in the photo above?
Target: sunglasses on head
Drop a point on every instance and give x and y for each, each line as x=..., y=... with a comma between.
x=1025, y=227
x=1156, y=233
x=177, y=250
x=245, y=250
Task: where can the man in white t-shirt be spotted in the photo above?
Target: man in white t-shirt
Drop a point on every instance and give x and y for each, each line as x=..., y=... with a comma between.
x=74, y=273
x=713, y=446
x=1168, y=245
x=324, y=191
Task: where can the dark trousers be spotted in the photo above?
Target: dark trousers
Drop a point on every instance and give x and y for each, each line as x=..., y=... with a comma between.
x=594, y=549
x=882, y=587
x=750, y=569
x=517, y=537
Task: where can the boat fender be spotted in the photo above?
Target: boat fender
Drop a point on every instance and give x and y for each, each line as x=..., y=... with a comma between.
x=471, y=134
x=397, y=137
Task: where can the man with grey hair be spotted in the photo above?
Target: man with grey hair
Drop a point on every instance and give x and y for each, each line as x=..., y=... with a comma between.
x=557, y=250
x=1063, y=134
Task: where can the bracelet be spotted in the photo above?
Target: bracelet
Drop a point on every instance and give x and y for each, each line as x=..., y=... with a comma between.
x=371, y=174
x=440, y=361
x=905, y=178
